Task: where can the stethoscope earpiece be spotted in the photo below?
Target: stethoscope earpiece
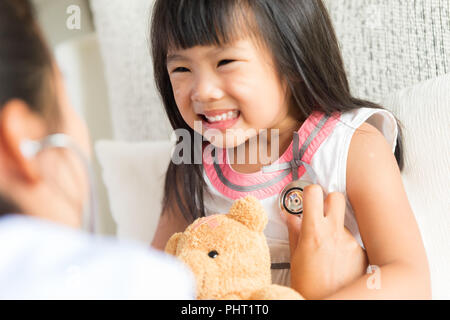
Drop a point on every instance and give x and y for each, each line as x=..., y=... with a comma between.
x=31, y=148
x=291, y=198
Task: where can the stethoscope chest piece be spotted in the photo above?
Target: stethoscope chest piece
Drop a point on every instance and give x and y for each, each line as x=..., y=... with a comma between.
x=291, y=198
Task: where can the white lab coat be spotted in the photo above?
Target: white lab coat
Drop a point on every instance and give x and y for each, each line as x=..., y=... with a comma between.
x=44, y=260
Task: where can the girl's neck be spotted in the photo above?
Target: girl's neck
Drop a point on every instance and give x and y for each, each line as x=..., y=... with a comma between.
x=258, y=150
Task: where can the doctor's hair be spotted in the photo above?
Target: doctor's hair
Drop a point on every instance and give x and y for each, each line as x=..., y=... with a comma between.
x=26, y=68
x=301, y=39
x=26, y=64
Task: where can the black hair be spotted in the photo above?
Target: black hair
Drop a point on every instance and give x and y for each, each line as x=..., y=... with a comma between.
x=303, y=43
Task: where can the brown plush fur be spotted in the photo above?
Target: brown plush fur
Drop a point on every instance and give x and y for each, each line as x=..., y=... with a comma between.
x=241, y=269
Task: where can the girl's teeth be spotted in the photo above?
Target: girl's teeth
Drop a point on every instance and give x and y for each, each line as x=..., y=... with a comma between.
x=225, y=116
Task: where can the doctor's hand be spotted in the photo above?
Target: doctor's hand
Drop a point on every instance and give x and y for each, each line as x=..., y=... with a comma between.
x=324, y=255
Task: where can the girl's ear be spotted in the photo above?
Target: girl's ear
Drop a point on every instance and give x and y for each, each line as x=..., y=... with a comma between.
x=250, y=213
x=17, y=124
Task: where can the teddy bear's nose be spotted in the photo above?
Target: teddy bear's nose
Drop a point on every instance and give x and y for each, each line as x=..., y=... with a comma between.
x=213, y=254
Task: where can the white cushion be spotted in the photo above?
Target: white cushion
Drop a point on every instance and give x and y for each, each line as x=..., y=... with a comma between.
x=133, y=173
x=424, y=113
x=134, y=177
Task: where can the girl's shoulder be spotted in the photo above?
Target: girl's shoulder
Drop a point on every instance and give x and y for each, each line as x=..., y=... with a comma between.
x=330, y=160
x=353, y=120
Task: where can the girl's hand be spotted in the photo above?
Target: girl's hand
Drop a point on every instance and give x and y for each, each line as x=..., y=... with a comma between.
x=324, y=255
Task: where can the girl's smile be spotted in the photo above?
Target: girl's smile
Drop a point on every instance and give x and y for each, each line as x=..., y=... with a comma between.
x=220, y=119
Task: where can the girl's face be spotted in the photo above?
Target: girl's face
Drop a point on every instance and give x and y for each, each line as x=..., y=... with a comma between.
x=234, y=90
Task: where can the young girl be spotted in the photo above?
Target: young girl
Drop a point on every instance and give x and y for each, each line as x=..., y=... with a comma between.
x=242, y=65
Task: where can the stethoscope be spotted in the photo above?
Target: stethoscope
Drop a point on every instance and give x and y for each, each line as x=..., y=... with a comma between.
x=291, y=197
x=31, y=148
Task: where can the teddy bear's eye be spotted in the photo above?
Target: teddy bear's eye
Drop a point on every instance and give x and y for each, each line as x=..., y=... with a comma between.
x=213, y=254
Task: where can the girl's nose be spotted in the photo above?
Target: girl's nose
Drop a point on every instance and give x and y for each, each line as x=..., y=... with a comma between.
x=206, y=91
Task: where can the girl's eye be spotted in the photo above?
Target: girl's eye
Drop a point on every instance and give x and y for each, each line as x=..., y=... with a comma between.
x=180, y=69
x=224, y=62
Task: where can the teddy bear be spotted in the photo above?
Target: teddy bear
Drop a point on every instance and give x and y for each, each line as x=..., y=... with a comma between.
x=229, y=255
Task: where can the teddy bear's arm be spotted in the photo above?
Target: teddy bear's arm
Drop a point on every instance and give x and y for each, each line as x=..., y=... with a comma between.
x=276, y=292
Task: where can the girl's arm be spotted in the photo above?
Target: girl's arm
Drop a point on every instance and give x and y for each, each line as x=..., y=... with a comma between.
x=386, y=222
x=170, y=222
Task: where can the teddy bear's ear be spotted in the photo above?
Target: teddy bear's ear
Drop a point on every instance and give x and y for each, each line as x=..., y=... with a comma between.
x=249, y=212
x=171, y=246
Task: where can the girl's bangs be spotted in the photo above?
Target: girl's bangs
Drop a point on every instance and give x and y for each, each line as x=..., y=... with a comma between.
x=207, y=23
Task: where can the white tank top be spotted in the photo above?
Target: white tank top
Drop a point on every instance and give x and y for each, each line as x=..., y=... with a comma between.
x=318, y=154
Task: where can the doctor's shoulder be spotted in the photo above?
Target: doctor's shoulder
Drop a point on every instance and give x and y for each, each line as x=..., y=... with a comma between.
x=44, y=260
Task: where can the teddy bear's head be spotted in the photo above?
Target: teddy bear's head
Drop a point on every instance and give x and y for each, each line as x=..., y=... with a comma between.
x=227, y=253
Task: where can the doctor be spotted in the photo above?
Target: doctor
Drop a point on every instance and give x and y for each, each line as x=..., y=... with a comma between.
x=44, y=187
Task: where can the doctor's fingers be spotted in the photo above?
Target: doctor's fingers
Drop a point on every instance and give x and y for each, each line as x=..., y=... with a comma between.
x=335, y=208
x=313, y=215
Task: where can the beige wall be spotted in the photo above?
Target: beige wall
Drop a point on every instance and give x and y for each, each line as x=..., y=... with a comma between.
x=52, y=16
